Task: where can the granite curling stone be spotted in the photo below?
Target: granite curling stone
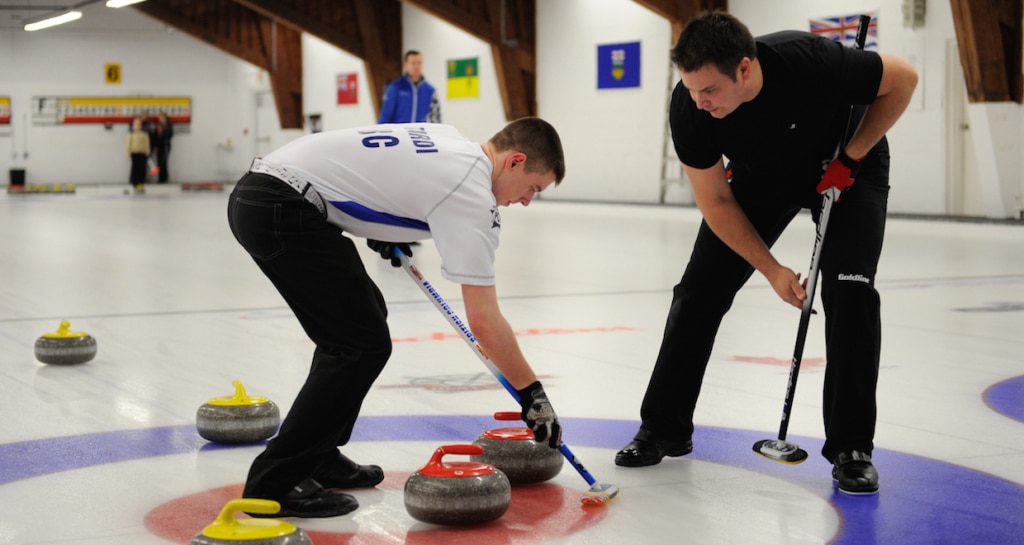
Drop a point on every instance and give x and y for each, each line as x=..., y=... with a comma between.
x=64, y=347
x=228, y=530
x=457, y=493
x=514, y=451
x=240, y=418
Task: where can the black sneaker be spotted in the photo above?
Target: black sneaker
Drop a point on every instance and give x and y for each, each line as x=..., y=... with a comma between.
x=642, y=452
x=344, y=473
x=310, y=500
x=853, y=473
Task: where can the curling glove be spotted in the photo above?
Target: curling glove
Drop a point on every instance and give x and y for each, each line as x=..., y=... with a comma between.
x=539, y=415
x=387, y=250
x=839, y=174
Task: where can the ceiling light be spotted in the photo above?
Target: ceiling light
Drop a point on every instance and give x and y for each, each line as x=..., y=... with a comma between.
x=122, y=3
x=54, y=20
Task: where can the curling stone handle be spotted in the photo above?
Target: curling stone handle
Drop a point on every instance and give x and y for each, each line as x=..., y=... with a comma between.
x=228, y=529
x=248, y=505
x=507, y=415
x=241, y=396
x=467, y=450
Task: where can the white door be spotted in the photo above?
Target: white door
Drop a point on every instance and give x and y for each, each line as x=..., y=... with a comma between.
x=963, y=188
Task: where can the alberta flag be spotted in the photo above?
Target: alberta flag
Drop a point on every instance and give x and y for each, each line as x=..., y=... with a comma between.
x=843, y=29
x=618, y=65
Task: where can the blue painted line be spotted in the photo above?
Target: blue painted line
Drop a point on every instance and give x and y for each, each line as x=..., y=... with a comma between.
x=922, y=502
x=28, y=459
x=1007, y=398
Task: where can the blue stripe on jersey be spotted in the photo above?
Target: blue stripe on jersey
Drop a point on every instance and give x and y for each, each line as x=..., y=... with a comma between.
x=361, y=212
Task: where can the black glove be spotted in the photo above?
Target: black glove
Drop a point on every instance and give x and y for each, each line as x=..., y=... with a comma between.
x=387, y=250
x=539, y=416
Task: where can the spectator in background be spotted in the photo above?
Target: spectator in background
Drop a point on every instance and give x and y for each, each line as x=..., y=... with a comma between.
x=410, y=99
x=160, y=135
x=138, y=151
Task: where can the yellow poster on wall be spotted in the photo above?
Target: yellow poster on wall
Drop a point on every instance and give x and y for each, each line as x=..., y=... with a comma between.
x=112, y=73
x=5, y=110
x=463, y=79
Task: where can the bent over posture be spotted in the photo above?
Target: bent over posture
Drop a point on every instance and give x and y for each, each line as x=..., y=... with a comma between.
x=295, y=211
x=776, y=106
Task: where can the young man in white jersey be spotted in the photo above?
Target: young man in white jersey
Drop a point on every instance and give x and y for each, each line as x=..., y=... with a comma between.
x=295, y=211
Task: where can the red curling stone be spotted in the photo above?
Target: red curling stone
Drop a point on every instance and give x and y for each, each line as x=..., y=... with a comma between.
x=514, y=451
x=457, y=493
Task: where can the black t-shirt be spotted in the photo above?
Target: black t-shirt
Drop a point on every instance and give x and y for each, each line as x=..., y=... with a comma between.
x=793, y=124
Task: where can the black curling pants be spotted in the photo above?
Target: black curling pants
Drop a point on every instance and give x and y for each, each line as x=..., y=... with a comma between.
x=320, y=275
x=851, y=307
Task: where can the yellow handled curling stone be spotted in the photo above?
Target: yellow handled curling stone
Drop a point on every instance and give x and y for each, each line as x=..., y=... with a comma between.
x=65, y=347
x=228, y=530
x=240, y=418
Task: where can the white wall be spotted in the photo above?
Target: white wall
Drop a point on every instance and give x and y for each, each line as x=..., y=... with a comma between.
x=613, y=138
x=321, y=64
x=155, y=61
x=439, y=42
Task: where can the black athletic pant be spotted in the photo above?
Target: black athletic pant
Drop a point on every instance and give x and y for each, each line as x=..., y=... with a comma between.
x=320, y=275
x=138, y=172
x=850, y=304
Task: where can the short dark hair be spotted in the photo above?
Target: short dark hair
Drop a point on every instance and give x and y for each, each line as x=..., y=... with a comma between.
x=408, y=54
x=538, y=140
x=713, y=37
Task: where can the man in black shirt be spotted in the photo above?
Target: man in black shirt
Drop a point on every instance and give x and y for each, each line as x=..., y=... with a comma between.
x=776, y=107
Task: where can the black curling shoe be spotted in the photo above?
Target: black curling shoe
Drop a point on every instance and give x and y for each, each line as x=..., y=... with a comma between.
x=854, y=474
x=310, y=500
x=641, y=452
x=348, y=474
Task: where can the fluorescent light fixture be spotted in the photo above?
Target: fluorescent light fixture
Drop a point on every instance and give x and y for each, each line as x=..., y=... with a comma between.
x=54, y=20
x=122, y=3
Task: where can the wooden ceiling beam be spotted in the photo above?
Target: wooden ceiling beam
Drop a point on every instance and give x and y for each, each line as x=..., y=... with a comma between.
x=678, y=12
x=248, y=35
x=510, y=27
x=305, y=16
x=285, y=71
x=379, y=24
x=370, y=30
x=989, y=39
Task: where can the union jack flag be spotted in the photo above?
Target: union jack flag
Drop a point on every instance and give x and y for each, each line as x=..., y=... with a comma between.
x=843, y=29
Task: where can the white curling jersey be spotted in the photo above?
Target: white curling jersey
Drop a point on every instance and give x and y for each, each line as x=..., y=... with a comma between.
x=405, y=182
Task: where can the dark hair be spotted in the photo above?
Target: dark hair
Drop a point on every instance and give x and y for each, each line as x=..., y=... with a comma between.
x=715, y=38
x=408, y=54
x=538, y=140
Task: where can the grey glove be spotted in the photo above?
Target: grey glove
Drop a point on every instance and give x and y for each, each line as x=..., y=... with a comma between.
x=539, y=416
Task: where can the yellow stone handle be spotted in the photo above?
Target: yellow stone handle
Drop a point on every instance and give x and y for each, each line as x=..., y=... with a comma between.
x=64, y=333
x=240, y=397
x=229, y=528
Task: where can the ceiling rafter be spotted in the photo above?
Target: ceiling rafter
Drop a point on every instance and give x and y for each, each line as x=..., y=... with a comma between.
x=370, y=30
x=678, y=12
x=248, y=35
x=989, y=38
x=510, y=27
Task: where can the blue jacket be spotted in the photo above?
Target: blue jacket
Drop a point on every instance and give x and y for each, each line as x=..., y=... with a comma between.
x=402, y=98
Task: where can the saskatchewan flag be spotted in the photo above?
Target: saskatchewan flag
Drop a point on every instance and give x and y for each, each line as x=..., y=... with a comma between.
x=463, y=81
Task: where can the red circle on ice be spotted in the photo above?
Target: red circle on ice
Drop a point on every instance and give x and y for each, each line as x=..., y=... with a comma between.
x=536, y=513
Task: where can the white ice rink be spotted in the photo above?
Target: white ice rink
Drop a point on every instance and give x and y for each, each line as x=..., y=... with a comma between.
x=106, y=452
